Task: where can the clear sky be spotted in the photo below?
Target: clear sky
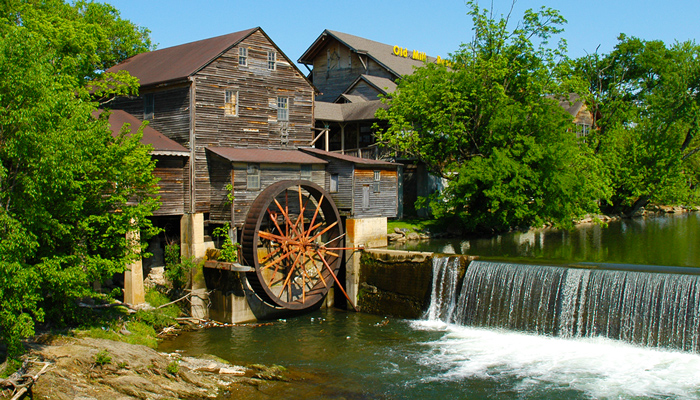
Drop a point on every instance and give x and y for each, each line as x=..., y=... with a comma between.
x=436, y=27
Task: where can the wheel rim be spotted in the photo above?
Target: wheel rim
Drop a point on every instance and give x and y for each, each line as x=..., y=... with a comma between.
x=292, y=237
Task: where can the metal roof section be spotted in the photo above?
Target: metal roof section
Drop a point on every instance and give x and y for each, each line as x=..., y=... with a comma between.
x=335, y=112
x=161, y=144
x=265, y=156
x=379, y=52
x=179, y=62
x=364, y=162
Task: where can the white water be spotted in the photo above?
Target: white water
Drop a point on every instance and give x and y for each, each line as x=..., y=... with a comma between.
x=498, y=296
x=601, y=368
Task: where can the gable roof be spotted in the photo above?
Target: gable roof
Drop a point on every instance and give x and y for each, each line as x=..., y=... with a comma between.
x=364, y=162
x=266, y=156
x=381, y=85
x=382, y=53
x=179, y=62
x=161, y=144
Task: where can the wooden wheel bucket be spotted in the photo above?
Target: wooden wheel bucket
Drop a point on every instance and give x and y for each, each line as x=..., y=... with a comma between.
x=293, y=239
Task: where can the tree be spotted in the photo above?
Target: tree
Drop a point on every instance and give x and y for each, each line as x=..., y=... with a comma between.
x=490, y=124
x=645, y=97
x=69, y=190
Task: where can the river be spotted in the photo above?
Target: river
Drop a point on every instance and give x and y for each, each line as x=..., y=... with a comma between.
x=346, y=355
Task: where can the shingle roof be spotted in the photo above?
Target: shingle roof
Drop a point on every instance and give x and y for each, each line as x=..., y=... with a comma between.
x=265, y=156
x=161, y=144
x=383, y=86
x=351, y=159
x=380, y=52
x=179, y=62
x=334, y=112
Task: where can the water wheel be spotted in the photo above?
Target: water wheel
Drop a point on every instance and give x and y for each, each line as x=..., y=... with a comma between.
x=292, y=238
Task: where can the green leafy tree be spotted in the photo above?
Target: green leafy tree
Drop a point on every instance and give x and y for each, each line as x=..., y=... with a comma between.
x=69, y=190
x=490, y=124
x=645, y=98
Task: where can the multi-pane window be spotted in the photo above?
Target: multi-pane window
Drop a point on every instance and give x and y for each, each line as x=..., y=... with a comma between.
x=377, y=179
x=306, y=171
x=149, y=105
x=271, y=60
x=242, y=56
x=282, y=109
x=231, y=103
x=253, y=176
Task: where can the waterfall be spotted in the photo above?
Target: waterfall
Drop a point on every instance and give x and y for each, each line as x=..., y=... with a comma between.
x=651, y=309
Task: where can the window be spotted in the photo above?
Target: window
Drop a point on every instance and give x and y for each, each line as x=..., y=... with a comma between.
x=365, y=197
x=242, y=56
x=377, y=179
x=582, y=130
x=271, y=60
x=253, y=176
x=149, y=105
x=282, y=109
x=334, y=183
x=306, y=171
x=231, y=103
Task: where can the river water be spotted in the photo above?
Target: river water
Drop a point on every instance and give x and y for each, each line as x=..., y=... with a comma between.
x=346, y=355
x=656, y=240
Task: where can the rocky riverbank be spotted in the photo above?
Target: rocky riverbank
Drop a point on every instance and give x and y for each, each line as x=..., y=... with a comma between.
x=87, y=368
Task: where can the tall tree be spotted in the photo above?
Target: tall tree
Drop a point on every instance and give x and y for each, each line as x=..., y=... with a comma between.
x=645, y=95
x=490, y=124
x=69, y=190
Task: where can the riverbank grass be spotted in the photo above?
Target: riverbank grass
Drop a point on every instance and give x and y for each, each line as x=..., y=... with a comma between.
x=141, y=327
x=414, y=225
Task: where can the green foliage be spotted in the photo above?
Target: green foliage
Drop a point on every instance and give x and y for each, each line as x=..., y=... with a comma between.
x=102, y=358
x=12, y=365
x=491, y=125
x=644, y=96
x=178, y=272
x=173, y=368
x=69, y=190
x=229, y=249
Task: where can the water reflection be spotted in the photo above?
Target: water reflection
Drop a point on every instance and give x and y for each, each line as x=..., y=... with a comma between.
x=657, y=240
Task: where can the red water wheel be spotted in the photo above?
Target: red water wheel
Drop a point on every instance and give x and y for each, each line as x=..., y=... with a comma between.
x=293, y=239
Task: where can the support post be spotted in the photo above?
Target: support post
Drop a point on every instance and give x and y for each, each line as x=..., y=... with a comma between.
x=366, y=233
x=192, y=245
x=134, y=292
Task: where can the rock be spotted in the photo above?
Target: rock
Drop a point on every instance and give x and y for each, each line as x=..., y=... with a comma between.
x=155, y=278
x=368, y=288
x=399, y=231
x=413, y=236
x=234, y=370
x=394, y=236
x=133, y=372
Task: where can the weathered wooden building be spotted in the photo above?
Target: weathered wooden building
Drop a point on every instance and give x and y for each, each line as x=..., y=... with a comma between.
x=242, y=110
x=233, y=91
x=171, y=158
x=360, y=187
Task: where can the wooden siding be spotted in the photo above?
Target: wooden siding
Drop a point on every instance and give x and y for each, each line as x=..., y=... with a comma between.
x=256, y=125
x=334, y=77
x=170, y=116
x=344, y=197
x=171, y=172
x=382, y=204
x=269, y=174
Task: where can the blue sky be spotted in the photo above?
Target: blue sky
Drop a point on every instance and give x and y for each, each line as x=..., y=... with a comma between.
x=436, y=27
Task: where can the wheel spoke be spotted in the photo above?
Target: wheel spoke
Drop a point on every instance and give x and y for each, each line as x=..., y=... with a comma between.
x=336, y=280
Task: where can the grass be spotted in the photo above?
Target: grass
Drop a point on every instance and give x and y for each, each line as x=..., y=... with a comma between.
x=413, y=225
x=142, y=326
